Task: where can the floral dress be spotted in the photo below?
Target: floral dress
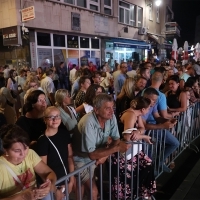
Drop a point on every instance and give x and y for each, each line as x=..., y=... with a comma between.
x=147, y=184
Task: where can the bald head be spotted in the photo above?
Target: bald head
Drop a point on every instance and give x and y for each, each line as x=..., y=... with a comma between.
x=157, y=77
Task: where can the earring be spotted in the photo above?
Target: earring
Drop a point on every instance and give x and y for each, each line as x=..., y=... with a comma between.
x=6, y=155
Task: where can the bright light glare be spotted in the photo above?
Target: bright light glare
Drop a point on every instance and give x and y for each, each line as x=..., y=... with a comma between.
x=158, y=2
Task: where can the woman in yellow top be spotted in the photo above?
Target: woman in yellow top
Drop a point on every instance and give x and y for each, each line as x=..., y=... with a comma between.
x=18, y=166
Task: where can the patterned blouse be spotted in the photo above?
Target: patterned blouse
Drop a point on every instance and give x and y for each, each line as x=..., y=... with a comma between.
x=80, y=98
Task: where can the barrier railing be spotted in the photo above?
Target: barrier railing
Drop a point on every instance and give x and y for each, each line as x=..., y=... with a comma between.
x=126, y=169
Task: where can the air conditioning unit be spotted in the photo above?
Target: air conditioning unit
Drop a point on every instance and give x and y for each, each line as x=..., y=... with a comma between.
x=142, y=31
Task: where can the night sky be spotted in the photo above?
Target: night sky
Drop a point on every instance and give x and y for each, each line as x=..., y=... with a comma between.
x=185, y=13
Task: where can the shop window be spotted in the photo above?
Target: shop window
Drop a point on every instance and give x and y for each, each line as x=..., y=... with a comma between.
x=44, y=58
x=140, y=16
x=84, y=42
x=95, y=43
x=43, y=39
x=127, y=13
x=58, y=40
x=72, y=41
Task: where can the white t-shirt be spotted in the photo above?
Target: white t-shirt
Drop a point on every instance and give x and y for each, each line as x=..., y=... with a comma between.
x=48, y=87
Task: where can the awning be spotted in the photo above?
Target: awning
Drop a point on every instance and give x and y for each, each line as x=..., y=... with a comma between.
x=154, y=37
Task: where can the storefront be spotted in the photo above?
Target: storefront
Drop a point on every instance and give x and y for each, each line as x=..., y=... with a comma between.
x=118, y=50
x=49, y=49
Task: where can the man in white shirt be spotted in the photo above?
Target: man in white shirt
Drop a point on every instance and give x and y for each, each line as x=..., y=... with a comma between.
x=72, y=74
x=21, y=79
x=6, y=73
x=48, y=87
x=172, y=63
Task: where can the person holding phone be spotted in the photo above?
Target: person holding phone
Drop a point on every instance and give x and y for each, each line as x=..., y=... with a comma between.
x=19, y=166
x=133, y=130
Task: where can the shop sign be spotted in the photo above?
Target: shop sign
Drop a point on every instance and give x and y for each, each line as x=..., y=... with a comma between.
x=12, y=36
x=134, y=46
x=28, y=13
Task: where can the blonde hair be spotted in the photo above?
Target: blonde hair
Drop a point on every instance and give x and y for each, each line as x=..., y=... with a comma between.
x=59, y=96
x=128, y=88
x=49, y=109
x=31, y=79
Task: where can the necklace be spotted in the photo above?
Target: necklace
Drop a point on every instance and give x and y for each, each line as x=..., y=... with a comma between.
x=19, y=168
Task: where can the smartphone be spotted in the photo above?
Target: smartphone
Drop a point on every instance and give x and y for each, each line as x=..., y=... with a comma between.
x=44, y=185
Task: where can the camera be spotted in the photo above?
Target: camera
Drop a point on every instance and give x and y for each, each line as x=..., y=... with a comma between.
x=25, y=30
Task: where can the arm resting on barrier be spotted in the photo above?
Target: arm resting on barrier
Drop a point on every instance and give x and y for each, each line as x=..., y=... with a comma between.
x=115, y=146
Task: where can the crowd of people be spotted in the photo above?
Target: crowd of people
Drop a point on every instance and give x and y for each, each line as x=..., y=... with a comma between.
x=53, y=122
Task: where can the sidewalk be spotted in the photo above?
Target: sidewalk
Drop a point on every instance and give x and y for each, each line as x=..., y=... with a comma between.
x=190, y=187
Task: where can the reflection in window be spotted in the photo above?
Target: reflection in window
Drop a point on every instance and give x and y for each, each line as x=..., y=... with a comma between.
x=93, y=7
x=84, y=42
x=44, y=58
x=58, y=40
x=95, y=43
x=107, y=11
x=43, y=39
x=72, y=41
x=121, y=15
x=140, y=14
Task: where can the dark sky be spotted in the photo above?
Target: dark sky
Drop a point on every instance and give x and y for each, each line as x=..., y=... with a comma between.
x=185, y=13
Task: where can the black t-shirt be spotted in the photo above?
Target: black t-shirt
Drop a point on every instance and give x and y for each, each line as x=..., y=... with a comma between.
x=45, y=148
x=34, y=127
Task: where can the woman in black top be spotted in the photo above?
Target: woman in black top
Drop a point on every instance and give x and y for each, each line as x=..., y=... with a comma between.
x=54, y=147
x=32, y=122
x=176, y=99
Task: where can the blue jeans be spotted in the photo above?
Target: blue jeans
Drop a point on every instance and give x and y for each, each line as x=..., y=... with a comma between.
x=171, y=142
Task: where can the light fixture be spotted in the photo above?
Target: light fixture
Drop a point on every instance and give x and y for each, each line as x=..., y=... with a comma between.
x=95, y=37
x=157, y=2
x=83, y=38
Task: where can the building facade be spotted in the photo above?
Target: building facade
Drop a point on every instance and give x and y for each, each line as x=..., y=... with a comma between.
x=80, y=31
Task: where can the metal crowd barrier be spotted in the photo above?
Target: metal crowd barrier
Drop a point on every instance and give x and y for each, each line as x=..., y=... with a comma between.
x=186, y=131
x=108, y=172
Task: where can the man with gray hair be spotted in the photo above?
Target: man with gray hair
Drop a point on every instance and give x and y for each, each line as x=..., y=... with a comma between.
x=96, y=129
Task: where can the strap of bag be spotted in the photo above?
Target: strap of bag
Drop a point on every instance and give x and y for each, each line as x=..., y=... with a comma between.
x=72, y=112
x=58, y=155
x=13, y=174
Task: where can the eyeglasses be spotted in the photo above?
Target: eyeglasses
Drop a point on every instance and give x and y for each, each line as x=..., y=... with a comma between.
x=41, y=100
x=53, y=118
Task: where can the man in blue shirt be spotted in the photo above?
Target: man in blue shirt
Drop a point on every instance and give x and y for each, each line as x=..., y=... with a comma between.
x=153, y=121
x=120, y=79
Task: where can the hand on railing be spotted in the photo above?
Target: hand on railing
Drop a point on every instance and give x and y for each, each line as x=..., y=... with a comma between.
x=101, y=160
x=169, y=124
x=123, y=147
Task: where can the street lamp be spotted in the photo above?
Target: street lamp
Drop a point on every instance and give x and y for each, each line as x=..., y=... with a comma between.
x=158, y=2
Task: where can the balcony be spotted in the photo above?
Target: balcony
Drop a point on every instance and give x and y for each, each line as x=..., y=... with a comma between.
x=172, y=29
